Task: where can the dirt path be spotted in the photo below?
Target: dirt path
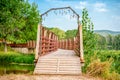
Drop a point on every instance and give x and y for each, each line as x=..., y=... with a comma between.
x=45, y=77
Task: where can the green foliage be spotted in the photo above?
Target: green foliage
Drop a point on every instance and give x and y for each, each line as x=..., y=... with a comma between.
x=105, y=64
x=13, y=57
x=109, y=39
x=60, y=33
x=101, y=42
x=116, y=42
x=19, y=19
x=98, y=68
x=98, y=65
x=89, y=42
x=115, y=55
x=16, y=69
x=71, y=33
x=109, y=42
x=88, y=35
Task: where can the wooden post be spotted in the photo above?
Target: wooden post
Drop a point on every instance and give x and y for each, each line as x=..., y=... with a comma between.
x=50, y=34
x=81, y=44
x=63, y=44
x=74, y=44
x=37, y=43
x=66, y=44
x=69, y=44
x=44, y=44
x=57, y=42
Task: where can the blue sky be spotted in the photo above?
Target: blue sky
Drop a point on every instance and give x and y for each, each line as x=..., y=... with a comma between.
x=105, y=14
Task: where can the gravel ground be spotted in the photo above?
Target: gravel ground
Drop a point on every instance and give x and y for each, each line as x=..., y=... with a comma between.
x=45, y=77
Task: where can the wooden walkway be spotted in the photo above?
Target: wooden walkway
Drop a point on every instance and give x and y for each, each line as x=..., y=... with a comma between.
x=62, y=58
x=59, y=62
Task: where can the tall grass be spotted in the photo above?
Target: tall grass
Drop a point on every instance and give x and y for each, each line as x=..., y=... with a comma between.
x=15, y=57
x=103, y=64
x=105, y=55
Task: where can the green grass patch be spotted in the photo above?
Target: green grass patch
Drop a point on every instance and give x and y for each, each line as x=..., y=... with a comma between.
x=15, y=57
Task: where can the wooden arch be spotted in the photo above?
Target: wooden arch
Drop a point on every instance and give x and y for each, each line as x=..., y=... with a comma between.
x=47, y=41
x=62, y=8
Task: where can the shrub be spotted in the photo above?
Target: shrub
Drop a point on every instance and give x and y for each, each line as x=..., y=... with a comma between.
x=14, y=57
x=105, y=55
x=98, y=68
x=102, y=69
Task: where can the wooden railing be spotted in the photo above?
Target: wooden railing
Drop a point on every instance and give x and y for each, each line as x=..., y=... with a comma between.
x=17, y=45
x=75, y=44
x=29, y=44
x=47, y=42
x=68, y=44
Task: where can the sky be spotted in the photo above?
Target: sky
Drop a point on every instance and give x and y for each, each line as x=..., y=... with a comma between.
x=105, y=14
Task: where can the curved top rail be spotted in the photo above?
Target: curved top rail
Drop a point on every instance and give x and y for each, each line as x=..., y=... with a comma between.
x=61, y=8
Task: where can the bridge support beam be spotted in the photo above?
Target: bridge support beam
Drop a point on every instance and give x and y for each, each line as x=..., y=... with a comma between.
x=37, y=44
x=81, y=44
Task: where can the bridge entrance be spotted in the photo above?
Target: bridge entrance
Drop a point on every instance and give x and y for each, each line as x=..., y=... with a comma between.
x=54, y=56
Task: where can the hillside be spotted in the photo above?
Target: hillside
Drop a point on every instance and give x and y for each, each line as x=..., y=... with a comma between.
x=106, y=32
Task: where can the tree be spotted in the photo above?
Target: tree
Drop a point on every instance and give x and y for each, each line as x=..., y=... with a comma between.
x=109, y=39
x=89, y=41
x=116, y=42
x=18, y=22
x=71, y=33
x=100, y=42
x=60, y=33
x=88, y=33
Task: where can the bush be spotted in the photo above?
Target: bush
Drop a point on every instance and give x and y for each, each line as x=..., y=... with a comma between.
x=98, y=68
x=13, y=57
x=24, y=59
x=104, y=63
x=105, y=55
x=102, y=69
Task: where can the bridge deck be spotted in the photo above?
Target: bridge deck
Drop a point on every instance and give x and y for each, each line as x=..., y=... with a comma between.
x=61, y=53
x=59, y=62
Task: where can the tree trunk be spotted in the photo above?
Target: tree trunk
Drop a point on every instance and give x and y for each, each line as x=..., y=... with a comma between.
x=5, y=46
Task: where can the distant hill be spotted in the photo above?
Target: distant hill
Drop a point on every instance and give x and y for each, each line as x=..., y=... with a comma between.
x=106, y=32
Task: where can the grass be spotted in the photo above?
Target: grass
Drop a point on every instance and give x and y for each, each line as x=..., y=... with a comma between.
x=105, y=55
x=103, y=63
x=15, y=57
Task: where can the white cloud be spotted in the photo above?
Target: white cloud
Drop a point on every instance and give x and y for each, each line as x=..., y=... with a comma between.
x=100, y=7
x=81, y=5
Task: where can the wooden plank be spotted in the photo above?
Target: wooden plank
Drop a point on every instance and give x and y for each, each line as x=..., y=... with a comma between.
x=57, y=63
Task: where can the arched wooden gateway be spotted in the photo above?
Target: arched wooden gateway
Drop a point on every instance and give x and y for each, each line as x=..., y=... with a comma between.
x=54, y=56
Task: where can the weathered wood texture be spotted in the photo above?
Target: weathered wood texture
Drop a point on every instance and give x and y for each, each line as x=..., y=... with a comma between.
x=49, y=42
x=59, y=62
x=75, y=44
x=29, y=44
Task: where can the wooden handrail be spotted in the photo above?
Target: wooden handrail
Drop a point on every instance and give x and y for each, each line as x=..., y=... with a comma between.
x=49, y=42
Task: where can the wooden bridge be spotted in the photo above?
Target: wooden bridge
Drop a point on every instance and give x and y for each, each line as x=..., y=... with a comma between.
x=55, y=56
